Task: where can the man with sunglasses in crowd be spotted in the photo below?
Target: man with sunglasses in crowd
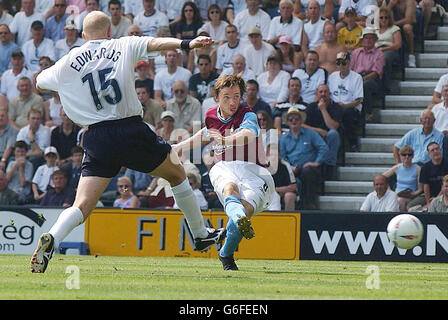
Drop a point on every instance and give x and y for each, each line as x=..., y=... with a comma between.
x=346, y=88
x=186, y=108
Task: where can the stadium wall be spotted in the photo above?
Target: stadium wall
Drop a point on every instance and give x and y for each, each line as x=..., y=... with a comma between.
x=312, y=235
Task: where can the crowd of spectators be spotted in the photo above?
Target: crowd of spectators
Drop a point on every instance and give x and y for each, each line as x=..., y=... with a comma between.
x=312, y=69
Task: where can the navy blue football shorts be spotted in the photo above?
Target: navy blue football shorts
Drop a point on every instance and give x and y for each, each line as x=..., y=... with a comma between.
x=129, y=142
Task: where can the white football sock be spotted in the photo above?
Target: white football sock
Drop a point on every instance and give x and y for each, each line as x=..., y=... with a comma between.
x=187, y=202
x=69, y=219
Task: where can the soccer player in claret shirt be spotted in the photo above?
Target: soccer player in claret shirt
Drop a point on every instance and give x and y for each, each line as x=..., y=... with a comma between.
x=239, y=176
x=96, y=85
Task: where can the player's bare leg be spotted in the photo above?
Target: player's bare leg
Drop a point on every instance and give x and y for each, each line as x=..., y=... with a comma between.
x=88, y=193
x=172, y=171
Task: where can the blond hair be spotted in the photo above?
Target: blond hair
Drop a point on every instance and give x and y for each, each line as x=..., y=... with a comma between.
x=96, y=25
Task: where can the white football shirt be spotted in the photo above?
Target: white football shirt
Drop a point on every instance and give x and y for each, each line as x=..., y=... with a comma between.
x=96, y=81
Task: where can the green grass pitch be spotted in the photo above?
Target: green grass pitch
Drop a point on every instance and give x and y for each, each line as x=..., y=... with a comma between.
x=156, y=278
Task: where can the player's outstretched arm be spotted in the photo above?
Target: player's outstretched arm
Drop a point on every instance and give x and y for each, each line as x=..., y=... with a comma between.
x=196, y=140
x=241, y=138
x=159, y=44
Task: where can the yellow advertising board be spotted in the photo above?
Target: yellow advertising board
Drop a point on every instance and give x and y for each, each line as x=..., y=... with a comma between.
x=135, y=232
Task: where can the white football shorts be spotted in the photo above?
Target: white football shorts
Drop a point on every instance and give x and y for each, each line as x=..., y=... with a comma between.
x=254, y=182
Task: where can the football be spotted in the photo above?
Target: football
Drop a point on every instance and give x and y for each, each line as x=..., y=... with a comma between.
x=405, y=231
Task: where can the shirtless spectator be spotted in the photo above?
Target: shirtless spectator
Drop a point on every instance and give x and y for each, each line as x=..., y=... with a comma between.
x=313, y=30
x=329, y=49
x=405, y=18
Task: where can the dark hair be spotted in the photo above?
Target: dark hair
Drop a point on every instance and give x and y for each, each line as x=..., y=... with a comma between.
x=197, y=19
x=214, y=6
x=294, y=78
x=77, y=149
x=140, y=85
x=430, y=144
x=59, y=172
x=229, y=81
x=205, y=57
x=117, y=2
x=21, y=145
x=311, y=52
x=254, y=82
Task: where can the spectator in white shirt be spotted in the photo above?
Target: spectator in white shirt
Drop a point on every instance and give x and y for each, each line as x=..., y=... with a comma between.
x=11, y=77
x=286, y=25
x=226, y=51
x=273, y=83
x=252, y=16
x=440, y=111
x=5, y=17
x=119, y=24
x=313, y=30
x=37, y=47
x=21, y=24
x=383, y=199
x=165, y=78
x=150, y=19
x=216, y=26
x=257, y=52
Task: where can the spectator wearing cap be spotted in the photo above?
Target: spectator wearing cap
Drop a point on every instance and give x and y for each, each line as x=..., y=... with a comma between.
x=7, y=46
x=187, y=110
x=62, y=195
x=389, y=42
x=273, y=82
x=151, y=108
x=350, y=34
x=119, y=23
x=257, y=52
x=149, y=19
x=313, y=29
x=369, y=62
x=166, y=126
x=225, y=52
x=290, y=58
x=252, y=100
x=346, y=89
x=252, y=16
x=329, y=48
x=286, y=25
x=54, y=26
x=37, y=47
x=143, y=76
x=305, y=150
x=311, y=76
x=71, y=40
x=363, y=9
x=42, y=177
x=21, y=24
x=26, y=100
x=10, y=77
x=199, y=83
x=239, y=67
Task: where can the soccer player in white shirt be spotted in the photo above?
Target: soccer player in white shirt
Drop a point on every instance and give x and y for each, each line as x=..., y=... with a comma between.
x=96, y=85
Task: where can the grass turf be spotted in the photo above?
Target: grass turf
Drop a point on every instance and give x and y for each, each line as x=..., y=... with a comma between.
x=156, y=278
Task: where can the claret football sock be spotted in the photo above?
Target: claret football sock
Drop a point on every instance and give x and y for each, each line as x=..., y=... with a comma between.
x=68, y=220
x=234, y=208
x=188, y=204
x=232, y=241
